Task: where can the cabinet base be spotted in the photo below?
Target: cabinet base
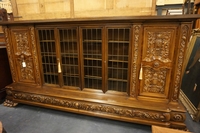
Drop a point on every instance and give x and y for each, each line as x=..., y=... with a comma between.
x=132, y=110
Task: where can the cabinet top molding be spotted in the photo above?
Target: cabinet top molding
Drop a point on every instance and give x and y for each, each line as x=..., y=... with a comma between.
x=127, y=19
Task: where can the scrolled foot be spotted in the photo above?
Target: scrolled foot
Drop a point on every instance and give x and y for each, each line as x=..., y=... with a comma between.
x=9, y=103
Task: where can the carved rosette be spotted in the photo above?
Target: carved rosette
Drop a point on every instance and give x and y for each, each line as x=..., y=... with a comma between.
x=94, y=107
x=158, y=46
x=8, y=47
x=154, y=80
x=136, y=30
x=178, y=117
x=184, y=34
x=35, y=59
x=24, y=55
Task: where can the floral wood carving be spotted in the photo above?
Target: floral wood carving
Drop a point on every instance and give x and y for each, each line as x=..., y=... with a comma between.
x=23, y=47
x=35, y=59
x=24, y=55
x=158, y=46
x=183, y=42
x=8, y=47
x=136, y=30
x=154, y=80
x=26, y=72
x=92, y=107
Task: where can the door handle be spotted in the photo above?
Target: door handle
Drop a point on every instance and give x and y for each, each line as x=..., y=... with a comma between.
x=141, y=73
x=59, y=67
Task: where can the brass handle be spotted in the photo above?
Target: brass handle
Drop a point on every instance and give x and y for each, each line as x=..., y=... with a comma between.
x=141, y=73
x=59, y=67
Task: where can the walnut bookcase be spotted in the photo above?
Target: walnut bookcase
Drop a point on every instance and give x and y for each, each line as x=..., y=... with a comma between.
x=121, y=68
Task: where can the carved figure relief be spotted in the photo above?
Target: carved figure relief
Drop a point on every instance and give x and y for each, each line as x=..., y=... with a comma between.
x=154, y=80
x=158, y=44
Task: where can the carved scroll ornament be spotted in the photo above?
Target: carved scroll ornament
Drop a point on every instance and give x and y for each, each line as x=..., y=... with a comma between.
x=178, y=117
x=92, y=107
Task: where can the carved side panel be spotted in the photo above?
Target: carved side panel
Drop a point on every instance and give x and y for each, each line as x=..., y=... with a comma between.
x=184, y=37
x=10, y=54
x=157, y=58
x=135, y=56
x=35, y=58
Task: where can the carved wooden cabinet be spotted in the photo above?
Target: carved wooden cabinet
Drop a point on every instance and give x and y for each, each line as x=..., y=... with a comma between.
x=122, y=68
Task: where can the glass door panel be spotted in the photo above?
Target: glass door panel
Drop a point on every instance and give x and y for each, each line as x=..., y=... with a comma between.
x=48, y=55
x=92, y=54
x=118, y=53
x=69, y=56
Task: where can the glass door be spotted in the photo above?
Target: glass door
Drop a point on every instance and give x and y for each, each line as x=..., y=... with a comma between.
x=69, y=56
x=118, y=42
x=92, y=57
x=48, y=55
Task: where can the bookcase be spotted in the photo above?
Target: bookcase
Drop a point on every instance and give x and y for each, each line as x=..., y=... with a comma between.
x=121, y=68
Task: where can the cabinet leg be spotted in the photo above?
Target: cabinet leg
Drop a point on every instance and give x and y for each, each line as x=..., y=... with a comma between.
x=9, y=103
